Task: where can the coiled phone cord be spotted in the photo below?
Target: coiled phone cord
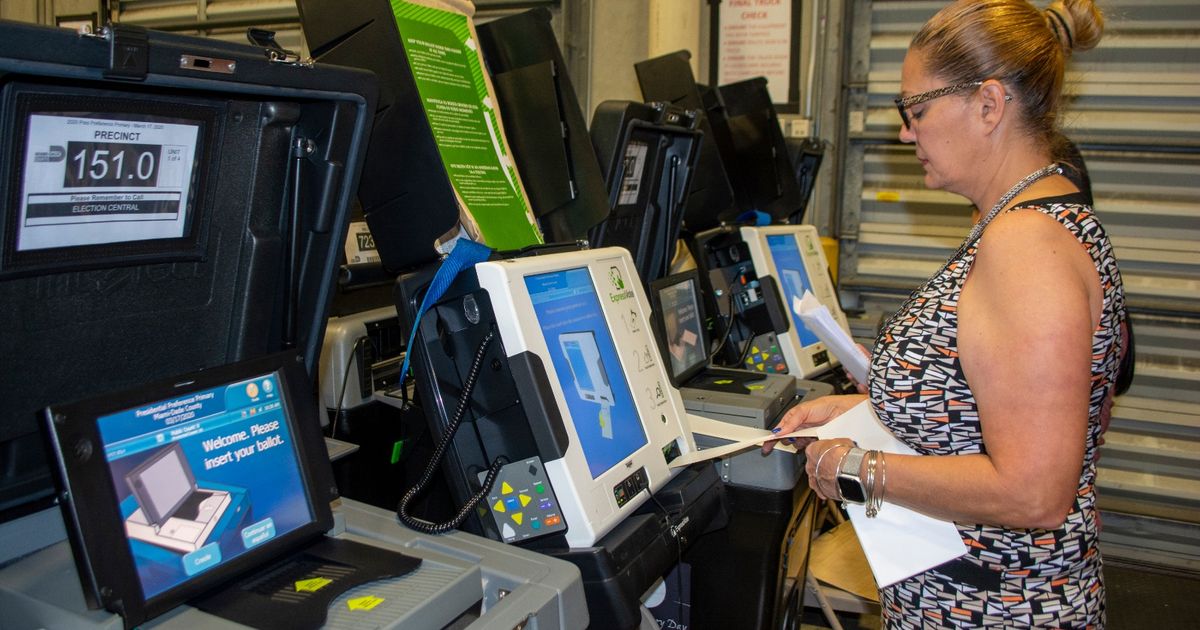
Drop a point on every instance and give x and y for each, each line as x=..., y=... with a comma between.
x=439, y=452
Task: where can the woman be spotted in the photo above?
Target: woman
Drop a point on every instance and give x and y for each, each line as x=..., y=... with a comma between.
x=996, y=369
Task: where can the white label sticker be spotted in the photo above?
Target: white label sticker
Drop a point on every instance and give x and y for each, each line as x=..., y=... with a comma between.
x=360, y=245
x=92, y=180
x=631, y=179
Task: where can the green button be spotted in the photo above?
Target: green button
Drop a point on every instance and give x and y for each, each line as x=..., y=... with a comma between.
x=539, y=489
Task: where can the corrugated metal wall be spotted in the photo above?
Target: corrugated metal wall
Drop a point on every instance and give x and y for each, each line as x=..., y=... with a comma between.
x=228, y=19
x=1135, y=113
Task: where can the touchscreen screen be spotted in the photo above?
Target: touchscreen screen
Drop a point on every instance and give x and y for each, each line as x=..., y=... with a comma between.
x=586, y=363
x=682, y=326
x=204, y=477
x=794, y=278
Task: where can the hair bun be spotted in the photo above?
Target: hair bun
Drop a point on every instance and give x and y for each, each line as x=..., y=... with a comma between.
x=1076, y=24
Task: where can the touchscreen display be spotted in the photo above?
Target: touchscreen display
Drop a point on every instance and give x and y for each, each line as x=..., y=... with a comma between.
x=586, y=363
x=682, y=326
x=794, y=278
x=203, y=477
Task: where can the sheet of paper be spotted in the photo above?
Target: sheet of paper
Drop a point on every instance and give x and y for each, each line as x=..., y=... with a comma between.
x=898, y=542
x=741, y=438
x=819, y=320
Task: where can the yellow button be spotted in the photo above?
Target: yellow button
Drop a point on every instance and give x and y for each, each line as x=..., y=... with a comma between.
x=498, y=506
x=505, y=488
x=525, y=499
x=517, y=517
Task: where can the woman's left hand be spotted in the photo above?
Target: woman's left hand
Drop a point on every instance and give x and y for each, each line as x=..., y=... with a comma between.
x=823, y=458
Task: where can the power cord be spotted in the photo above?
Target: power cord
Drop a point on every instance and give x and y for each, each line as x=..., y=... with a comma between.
x=337, y=411
x=674, y=530
x=439, y=452
x=728, y=328
x=745, y=353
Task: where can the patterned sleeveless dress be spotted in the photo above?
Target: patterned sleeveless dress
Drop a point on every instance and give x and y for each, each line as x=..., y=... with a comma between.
x=1009, y=577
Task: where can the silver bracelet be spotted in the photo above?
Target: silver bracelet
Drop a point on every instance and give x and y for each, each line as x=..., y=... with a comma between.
x=817, y=468
x=882, y=477
x=872, y=506
x=875, y=491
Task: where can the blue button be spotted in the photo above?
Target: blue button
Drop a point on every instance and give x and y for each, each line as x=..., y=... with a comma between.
x=258, y=533
x=545, y=504
x=512, y=504
x=202, y=558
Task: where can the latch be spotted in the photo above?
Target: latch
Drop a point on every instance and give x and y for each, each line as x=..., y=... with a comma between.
x=265, y=39
x=128, y=52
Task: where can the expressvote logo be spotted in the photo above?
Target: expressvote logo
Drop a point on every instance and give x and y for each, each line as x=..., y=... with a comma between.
x=614, y=276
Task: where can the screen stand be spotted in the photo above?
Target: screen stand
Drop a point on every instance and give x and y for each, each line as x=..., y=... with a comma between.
x=297, y=592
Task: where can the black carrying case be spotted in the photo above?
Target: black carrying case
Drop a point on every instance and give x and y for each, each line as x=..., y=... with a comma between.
x=649, y=152
x=403, y=178
x=545, y=123
x=711, y=199
x=279, y=150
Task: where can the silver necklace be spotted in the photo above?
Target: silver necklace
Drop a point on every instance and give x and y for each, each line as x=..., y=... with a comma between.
x=1008, y=196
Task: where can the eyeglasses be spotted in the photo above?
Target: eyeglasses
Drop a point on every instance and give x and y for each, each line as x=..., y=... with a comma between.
x=903, y=104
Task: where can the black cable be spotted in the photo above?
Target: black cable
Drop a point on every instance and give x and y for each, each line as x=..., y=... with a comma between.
x=337, y=411
x=671, y=525
x=745, y=353
x=728, y=328
x=668, y=242
x=439, y=453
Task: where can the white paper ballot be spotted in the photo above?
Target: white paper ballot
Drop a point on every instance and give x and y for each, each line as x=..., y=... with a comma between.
x=818, y=319
x=741, y=437
x=898, y=542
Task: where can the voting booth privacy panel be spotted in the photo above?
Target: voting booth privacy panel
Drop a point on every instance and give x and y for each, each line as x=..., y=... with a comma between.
x=170, y=204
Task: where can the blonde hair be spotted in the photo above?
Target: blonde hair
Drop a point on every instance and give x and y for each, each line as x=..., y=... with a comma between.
x=1015, y=43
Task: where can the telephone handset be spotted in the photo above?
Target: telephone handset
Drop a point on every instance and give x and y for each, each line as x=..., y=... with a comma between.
x=478, y=402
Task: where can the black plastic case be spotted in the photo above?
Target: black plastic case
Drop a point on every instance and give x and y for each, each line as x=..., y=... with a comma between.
x=649, y=152
x=280, y=148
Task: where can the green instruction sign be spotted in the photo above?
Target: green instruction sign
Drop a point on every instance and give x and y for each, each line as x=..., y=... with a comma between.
x=442, y=55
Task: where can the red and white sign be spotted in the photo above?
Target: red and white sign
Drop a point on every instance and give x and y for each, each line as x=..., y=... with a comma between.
x=756, y=41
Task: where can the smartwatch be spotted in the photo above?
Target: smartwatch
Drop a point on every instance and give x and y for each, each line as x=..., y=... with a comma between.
x=849, y=478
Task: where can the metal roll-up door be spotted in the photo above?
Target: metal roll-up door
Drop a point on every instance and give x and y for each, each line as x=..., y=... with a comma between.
x=220, y=19
x=1135, y=112
x=228, y=19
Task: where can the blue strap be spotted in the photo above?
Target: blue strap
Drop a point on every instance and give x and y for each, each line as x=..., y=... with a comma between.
x=754, y=217
x=466, y=253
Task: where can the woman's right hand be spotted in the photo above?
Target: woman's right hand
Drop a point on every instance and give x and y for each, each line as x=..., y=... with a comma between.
x=813, y=413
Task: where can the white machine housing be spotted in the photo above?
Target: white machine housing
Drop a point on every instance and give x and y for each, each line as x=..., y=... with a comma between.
x=342, y=335
x=592, y=506
x=803, y=359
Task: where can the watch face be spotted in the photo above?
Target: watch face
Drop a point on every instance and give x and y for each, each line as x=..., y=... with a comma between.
x=851, y=490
